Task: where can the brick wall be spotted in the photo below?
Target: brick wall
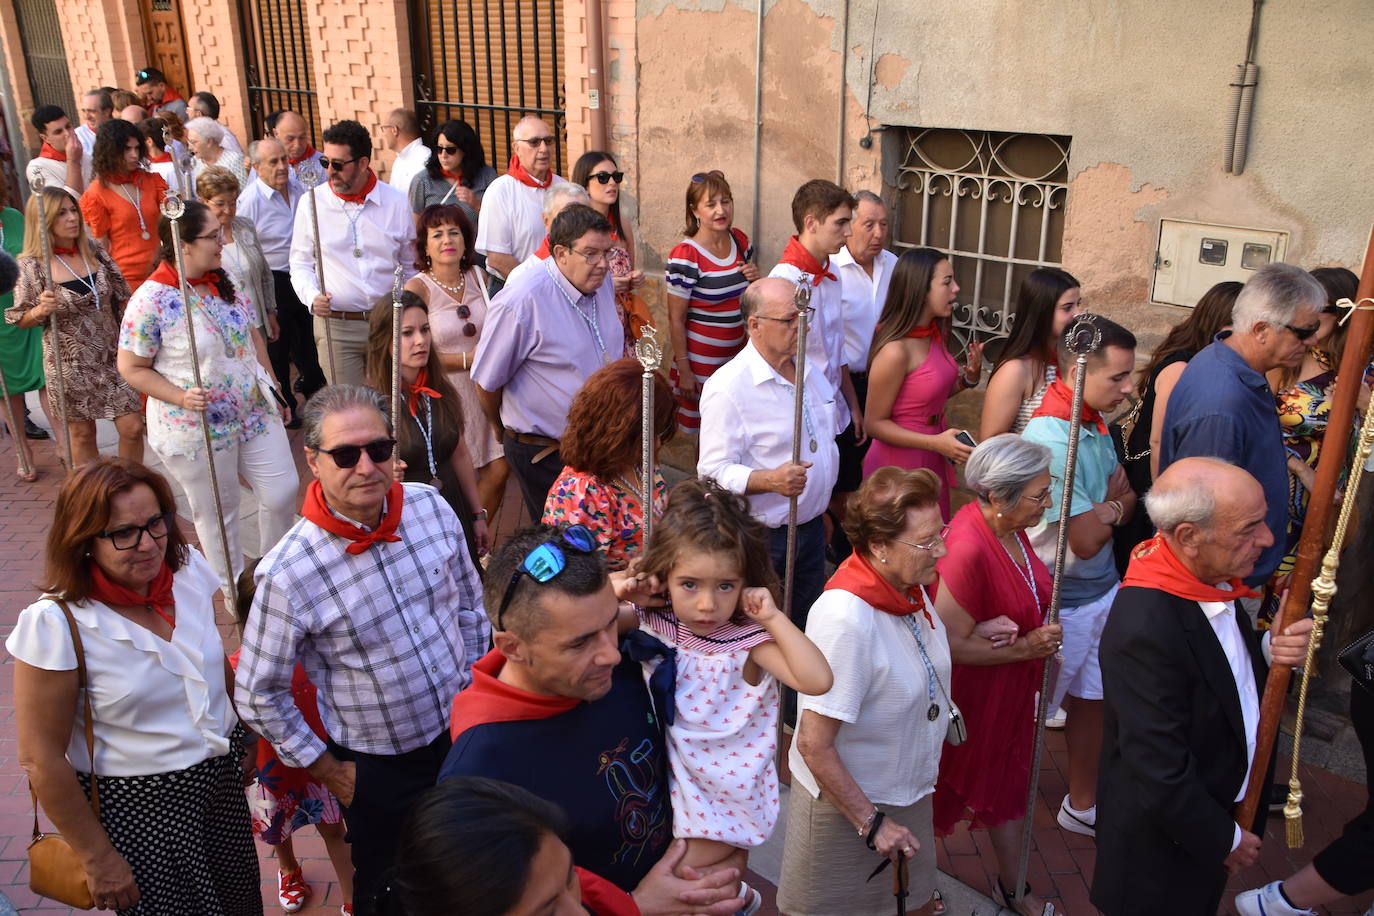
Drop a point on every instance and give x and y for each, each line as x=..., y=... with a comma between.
x=215, y=55
x=13, y=53
x=104, y=41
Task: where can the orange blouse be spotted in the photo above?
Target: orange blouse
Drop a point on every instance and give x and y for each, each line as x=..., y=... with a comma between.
x=109, y=211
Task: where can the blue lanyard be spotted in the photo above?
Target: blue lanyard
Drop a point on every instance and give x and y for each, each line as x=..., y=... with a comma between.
x=589, y=319
x=915, y=628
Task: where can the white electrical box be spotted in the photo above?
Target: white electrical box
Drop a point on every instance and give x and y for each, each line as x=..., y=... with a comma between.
x=1194, y=256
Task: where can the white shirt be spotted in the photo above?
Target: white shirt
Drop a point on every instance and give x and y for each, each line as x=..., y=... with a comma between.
x=54, y=173
x=824, y=335
x=410, y=161
x=533, y=262
x=231, y=143
x=881, y=694
x=861, y=302
x=87, y=138
x=746, y=426
x=383, y=230
x=159, y=706
x=273, y=216
x=512, y=218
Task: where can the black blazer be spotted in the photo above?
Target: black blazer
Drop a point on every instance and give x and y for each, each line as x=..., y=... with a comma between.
x=1173, y=757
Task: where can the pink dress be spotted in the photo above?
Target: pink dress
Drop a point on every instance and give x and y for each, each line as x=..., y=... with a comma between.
x=446, y=326
x=920, y=407
x=724, y=785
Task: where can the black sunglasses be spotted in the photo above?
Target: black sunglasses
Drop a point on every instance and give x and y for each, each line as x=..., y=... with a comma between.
x=545, y=562
x=347, y=456
x=446, y=150
x=537, y=141
x=129, y=537
x=1303, y=333
x=607, y=177
x=338, y=165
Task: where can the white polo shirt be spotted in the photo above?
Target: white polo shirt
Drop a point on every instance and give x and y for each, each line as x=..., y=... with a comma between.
x=824, y=334
x=512, y=218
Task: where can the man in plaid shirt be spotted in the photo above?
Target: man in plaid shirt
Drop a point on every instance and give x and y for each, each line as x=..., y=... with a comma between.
x=375, y=594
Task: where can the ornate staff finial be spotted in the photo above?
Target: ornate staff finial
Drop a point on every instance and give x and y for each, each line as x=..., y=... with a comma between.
x=37, y=183
x=647, y=350
x=1083, y=336
x=173, y=207
x=309, y=174
x=802, y=297
x=398, y=283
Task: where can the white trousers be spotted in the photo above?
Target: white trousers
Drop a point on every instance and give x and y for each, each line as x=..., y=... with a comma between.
x=266, y=463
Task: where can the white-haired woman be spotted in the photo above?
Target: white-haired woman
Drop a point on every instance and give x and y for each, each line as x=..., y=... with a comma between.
x=993, y=597
x=205, y=138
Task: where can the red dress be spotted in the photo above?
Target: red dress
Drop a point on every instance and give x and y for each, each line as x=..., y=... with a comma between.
x=984, y=779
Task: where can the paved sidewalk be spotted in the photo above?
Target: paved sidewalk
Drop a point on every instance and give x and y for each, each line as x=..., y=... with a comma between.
x=1061, y=865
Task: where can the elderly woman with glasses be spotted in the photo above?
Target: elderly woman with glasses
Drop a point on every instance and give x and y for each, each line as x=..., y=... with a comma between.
x=994, y=593
x=867, y=752
x=172, y=832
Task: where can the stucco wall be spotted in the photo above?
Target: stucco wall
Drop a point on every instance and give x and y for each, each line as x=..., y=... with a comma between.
x=1140, y=87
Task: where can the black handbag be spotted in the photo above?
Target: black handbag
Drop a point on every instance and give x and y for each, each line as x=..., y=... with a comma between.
x=1358, y=659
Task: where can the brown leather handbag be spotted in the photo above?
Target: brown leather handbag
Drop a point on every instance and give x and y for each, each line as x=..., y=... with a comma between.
x=55, y=871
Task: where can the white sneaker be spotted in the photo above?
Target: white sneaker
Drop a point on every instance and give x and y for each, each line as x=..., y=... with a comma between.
x=753, y=900
x=1267, y=901
x=1075, y=821
x=1056, y=719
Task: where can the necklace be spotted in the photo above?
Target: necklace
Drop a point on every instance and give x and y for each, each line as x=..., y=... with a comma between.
x=457, y=292
x=87, y=280
x=427, y=433
x=353, y=226
x=136, y=201
x=590, y=320
x=1027, y=575
x=806, y=417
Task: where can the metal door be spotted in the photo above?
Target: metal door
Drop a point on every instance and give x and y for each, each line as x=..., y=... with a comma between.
x=41, y=37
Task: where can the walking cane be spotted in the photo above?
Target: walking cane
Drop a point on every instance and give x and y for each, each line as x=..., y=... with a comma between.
x=650, y=356
x=15, y=430
x=59, y=383
x=1082, y=338
x=397, y=396
x=173, y=207
x=802, y=299
x=310, y=176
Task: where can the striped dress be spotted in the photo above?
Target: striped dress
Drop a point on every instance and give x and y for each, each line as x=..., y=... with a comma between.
x=715, y=330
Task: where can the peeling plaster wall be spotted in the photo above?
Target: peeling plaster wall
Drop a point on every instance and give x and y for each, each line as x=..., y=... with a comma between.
x=1140, y=87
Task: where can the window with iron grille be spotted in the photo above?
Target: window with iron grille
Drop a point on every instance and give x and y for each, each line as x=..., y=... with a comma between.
x=993, y=201
x=276, y=43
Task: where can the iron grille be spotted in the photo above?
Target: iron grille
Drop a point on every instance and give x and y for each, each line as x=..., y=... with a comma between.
x=277, y=50
x=41, y=36
x=490, y=63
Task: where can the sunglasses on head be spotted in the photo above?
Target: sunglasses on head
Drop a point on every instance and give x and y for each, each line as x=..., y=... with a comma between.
x=545, y=561
x=702, y=176
x=347, y=456
x=607, y=177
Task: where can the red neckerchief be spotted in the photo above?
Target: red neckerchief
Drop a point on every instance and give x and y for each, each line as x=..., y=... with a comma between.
x=158, y=600
x=316, y=510
x=602, y=898
x=169, y=95
x=65, y=252
x=51, y=152
x=517, y=171
x=123, y=177
x=166, y=274
x=542, y=252
x=309, y=152
x=161, y=157
x=925, y=330
x=1154, y=565
x=361, y=195
x=417, y=389
x=1057, y=402
x=453, y=176
x=858, y=577
x=796, y=254
x=488, y=699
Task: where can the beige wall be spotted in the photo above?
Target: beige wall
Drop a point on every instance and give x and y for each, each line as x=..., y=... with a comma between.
x=1140, y=87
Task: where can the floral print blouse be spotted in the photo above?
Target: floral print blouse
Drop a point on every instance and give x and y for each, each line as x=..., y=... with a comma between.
x=154, y=328
x=612, y=510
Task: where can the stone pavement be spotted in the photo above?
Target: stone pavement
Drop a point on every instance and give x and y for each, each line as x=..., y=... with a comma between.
x=1061, y=864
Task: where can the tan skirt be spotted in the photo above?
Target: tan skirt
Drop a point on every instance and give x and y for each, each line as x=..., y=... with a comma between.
x=824, y=864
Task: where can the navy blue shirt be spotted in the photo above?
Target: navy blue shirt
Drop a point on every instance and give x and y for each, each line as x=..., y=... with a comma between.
x=1222, y=408
x=604, y=763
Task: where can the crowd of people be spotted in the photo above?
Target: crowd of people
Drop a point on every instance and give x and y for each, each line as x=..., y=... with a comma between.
x=583, y=715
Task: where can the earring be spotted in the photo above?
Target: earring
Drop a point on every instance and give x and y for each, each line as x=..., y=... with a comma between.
x=999, y=514
x=882, y=560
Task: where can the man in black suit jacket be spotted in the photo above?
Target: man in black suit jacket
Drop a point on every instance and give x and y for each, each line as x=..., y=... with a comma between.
x=1181, y=678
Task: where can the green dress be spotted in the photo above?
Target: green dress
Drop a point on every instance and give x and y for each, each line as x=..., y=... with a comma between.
x=21, y=349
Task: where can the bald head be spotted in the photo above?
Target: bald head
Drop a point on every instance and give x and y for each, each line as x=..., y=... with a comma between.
x=293, y=133
x=134, y=114
x=770, y=317
x=533, y=142
x=1212, y=514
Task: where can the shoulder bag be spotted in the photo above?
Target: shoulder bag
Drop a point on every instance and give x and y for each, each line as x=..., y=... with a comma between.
x=1358, y=659
x=55, y=871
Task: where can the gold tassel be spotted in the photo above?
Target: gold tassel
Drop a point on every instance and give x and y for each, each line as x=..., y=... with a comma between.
x=1292, y=814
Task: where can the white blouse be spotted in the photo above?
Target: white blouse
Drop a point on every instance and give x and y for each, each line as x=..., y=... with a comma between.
x=159, y=706
x=881, y=694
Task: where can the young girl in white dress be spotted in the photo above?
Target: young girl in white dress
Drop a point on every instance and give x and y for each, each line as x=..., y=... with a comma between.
x=710, y=559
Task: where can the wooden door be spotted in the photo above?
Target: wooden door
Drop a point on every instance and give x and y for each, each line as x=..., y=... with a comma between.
x=167, y=43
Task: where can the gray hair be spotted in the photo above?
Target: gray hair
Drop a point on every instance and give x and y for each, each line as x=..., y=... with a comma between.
x=1275, y=295
x=867, y=195
x=255, y=148
x=206, y=129
x=334, y=399
x=560, y=195
x=1190, y=501
x=1000, y=467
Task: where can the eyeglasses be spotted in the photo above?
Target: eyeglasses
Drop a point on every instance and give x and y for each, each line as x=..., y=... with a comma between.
x=935, y=542
x=545, y=562
x=607, y=177
x=593, y=257
x=129, y=537
x=536, y=141
x=347, y=456
x=338, y=165
x=201, y=238
x=1045, y=497
x=447, y=150
x=1304, y=333
x=810, y=310
x=702, y=176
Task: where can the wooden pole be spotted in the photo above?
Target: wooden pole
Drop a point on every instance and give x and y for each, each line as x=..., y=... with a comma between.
x=1349, y=379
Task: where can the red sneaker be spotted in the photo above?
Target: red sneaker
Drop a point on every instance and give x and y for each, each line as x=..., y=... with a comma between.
x=292, y=891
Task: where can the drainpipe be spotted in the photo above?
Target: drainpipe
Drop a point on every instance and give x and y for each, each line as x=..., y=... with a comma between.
x=758, y=124
x=844, y=81
x=596, y=76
